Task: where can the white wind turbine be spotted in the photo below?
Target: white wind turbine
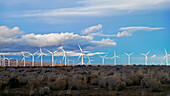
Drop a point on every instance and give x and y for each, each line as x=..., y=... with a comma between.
x=129, y=57
x=89, y=62
x=33, y=54
x=146, y=57
x=103, y=57
x=81, y=55
x=23, y=59
x=166, y=56
x=115, y=57
x=3, y=60
x=9, y=61
x=60, y=62
x=41, y=54
x=16, y=62
x=52, y=54
x=70, y=60
x=64, y=55
x=0, y=60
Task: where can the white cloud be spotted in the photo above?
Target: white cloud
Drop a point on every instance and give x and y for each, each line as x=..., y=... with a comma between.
x=9, y=35
x=92, y=29
x=102, y=44
x=98, y=8
x=123, y=34
x=11, y=53
x=100, y=34
x=128, y=31
x=6, y=32
x=153, y=56
x=53, y=39
x=96, y=53
x=137, y=28
x=67, y=40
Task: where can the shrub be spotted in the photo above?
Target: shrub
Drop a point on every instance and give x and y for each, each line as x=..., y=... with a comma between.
x=59, y=84
x=3, y=84
x=13, y=83
x=44, y=90
x=152, y=84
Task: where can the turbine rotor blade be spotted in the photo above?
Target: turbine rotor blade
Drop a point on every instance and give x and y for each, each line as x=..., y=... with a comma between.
x=50, y=52
x=40, y=50
x=166, y=52
x=80, y=48
x=147, y=53
x=22, y=59
x=101, y=56
x=131, y=53
x=38, y=56
x=63, y=58
x=126, y=53
x=142, y=54
x=164, y=57
x=55, y=51
x=35, y=53
x=79, y=56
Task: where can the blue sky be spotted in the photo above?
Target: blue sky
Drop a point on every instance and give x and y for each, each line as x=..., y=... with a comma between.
x=118, y=25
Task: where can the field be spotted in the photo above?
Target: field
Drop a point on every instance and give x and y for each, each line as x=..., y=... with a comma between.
x=85, y=80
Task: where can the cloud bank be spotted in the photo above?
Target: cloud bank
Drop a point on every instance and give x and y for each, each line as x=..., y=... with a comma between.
x=15, y=37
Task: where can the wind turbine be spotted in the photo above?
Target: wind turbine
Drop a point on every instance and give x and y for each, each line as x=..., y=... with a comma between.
x=9, y=63
x=81, y=55
x=70, y=60
x=23, y=59
x=64, y=55
x=60, y=62
x=115, y=57
x=103, y=57
x=129, y=57
x=55, y=61
x=89, y=60
x=166, y=56
x=16, y=62
x=0, y=60
x=146, y=57
x=52, y=54
x=3, y=60
x=41, y=54
x=33, y=54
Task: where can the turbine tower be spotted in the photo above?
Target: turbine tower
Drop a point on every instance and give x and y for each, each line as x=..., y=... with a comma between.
x=129, y=57
x=52, y=54
x=3, y=60
x=64, y=55
x=41, y=54
x=166, y=56
x=0, y=60
x=81, y=55
x=33, y=54
x=146, y=57
x=16, y=62
x=23, y=58
x=115, y=57
x=103, y=57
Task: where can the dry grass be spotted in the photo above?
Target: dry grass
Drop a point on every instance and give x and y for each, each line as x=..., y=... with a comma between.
x=127, y=80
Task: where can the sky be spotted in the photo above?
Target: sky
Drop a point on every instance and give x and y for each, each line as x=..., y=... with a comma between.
x=98, y=26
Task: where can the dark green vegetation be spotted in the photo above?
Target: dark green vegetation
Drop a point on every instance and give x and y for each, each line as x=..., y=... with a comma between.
x=83, y=81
